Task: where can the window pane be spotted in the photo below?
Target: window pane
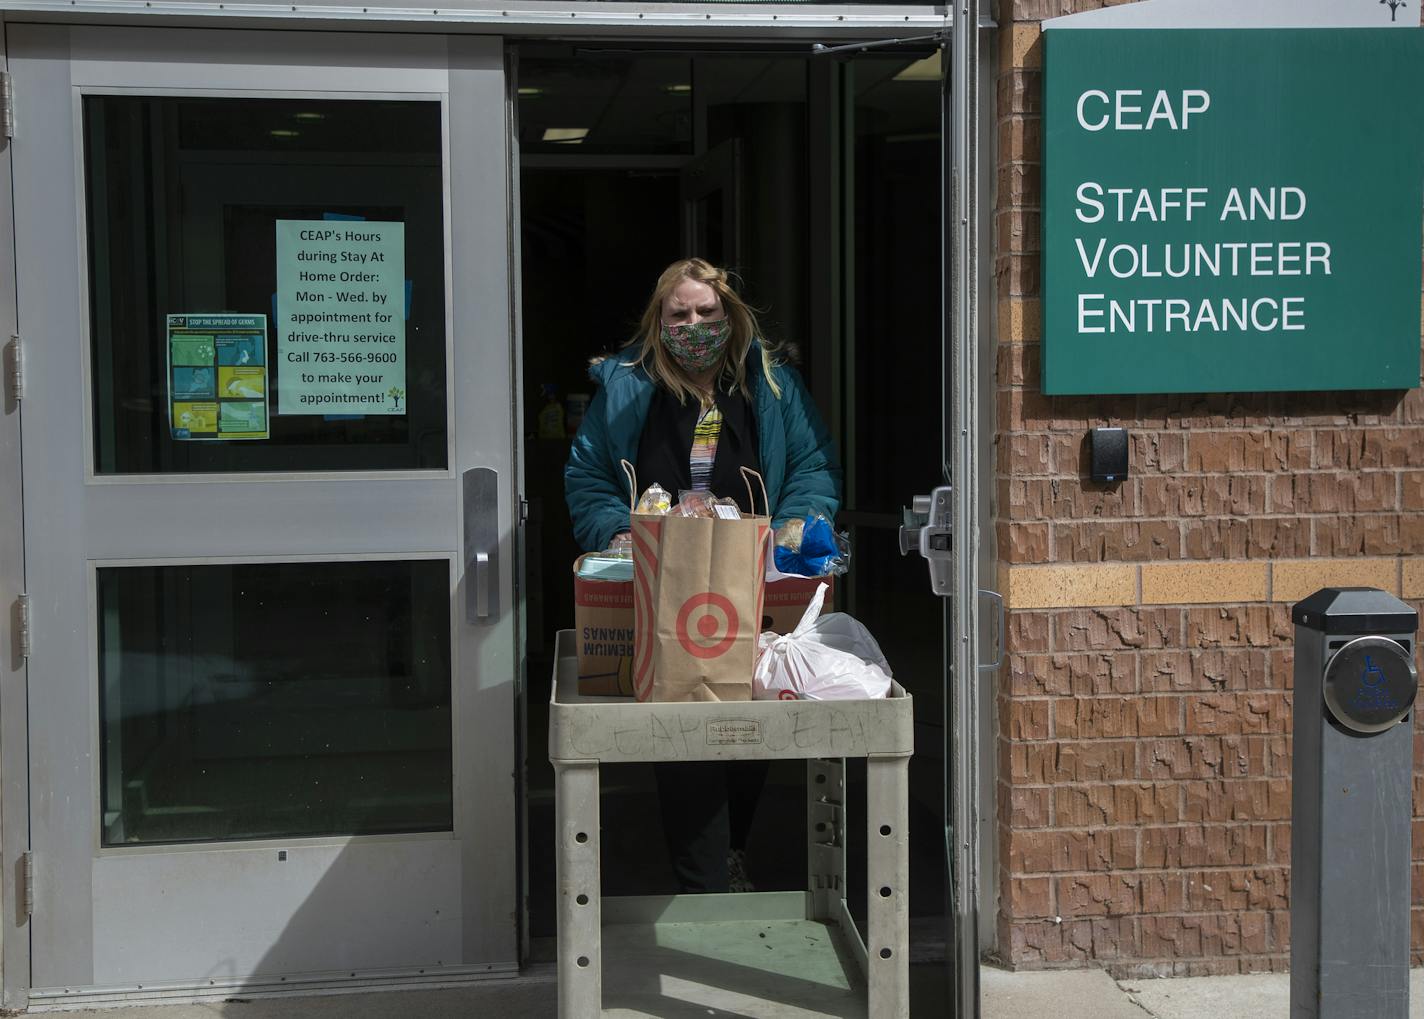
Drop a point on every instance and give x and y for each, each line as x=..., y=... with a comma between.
x=269, y=700
x=184, y=200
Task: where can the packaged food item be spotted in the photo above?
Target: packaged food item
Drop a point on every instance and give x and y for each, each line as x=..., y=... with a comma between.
x=696, y=503
x=727, y=509
x=818, y=550
x=655, y=500
x=790, y=534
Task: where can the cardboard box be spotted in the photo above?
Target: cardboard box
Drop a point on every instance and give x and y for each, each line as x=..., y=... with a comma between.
x=603, y=626
x=603, y=633
x=786, y=601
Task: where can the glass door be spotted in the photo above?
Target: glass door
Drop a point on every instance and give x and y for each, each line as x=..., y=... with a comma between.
x=264, y=298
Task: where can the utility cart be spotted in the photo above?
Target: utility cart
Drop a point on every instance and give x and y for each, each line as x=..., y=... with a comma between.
x=767, y=953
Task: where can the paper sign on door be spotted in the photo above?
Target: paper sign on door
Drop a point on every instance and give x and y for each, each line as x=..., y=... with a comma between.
x=217, y=377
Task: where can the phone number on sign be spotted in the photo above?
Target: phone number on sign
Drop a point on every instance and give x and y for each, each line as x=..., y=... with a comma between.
x=323, y=357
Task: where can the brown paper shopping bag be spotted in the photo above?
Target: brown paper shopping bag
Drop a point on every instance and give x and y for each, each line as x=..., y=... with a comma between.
x=697, y=603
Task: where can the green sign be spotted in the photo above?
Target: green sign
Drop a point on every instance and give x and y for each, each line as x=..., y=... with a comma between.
x=340, y=317
x=1232, y=210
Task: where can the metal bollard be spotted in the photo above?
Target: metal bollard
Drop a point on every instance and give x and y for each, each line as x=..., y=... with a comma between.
x=1352, y=765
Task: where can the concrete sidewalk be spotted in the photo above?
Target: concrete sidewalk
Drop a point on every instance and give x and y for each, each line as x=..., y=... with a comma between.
x=1057, y=994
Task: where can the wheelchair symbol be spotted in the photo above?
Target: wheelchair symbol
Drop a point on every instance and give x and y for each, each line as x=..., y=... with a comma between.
x=1373, y=674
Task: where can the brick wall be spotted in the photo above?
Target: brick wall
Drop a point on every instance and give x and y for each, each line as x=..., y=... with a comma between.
x=1145, y=713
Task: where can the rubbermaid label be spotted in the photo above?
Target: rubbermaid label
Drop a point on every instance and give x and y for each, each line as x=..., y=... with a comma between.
x=734, y=732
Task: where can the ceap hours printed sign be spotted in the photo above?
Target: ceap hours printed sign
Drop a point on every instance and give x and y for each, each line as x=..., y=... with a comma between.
x=1232, y=210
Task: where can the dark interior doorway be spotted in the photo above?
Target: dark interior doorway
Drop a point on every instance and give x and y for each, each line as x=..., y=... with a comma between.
x=818, y=181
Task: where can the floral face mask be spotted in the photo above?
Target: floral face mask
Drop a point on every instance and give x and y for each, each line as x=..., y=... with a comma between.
x=697, y=346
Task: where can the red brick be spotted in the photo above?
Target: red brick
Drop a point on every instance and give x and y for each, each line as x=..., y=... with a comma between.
x=1194, y=496
x=1018, y=275
x=1112, y=629
x=1020, y=184
x=1027, y=632
x=1253, y=538
x=1236, y=626
x=1092, y=761
x=1230, y=756
x=1026, y=454
x=1205, y=670
x=1024, y=543
x=1086, y=675
x=1098, y=895
x=1028, y=808
x=1154, y=452
x=1363, y=492
x=1189, y=937
x=1369, y=535
x=1411, y=495
x=1027, y=719
x=1222, y=452
x=1017, y=364
x=1030, y=896
x=1237, y=890
x=1085, y=806
x=1021, y=138
x=1020, y=91
x=1195, y=846
x=1236, y=800
x=1117, y=541
x=1065, y=941
x=1058, y=851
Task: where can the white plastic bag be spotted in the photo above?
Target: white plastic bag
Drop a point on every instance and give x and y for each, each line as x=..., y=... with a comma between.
x=826, y=658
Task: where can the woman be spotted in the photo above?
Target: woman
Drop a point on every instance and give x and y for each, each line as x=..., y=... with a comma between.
x=696, y=396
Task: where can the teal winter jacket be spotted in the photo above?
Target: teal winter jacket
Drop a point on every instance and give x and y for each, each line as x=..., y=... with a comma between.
x=798, y=462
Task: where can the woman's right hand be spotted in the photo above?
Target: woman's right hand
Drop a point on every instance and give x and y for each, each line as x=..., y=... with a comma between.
x=621, y=545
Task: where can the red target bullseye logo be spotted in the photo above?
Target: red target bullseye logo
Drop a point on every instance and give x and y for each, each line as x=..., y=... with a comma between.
x=707, y=625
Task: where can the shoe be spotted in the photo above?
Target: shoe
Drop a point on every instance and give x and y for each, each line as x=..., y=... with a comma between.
x=737, y=880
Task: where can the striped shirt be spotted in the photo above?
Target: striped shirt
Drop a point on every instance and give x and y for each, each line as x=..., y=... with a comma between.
x=704, y=447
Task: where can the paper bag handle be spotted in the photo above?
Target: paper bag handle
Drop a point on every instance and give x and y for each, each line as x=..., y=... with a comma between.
x=632, y=473
x=747, y=475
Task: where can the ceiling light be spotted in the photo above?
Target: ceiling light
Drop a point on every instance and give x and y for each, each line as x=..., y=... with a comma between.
x=678, y=90
x=927, y=69
x=309, y=115
x=530, y=92
x=283, y=132
x=565, y=135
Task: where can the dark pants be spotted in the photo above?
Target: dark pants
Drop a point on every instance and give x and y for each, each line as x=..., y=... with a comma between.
x=707, y=811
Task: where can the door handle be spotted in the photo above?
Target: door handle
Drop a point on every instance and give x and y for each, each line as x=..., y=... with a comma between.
x=927, y=531
x=999, y=632
x=481, y=495
x=482, y=580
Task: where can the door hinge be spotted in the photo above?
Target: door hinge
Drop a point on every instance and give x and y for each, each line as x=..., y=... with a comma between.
x=7, y=105
x=28, y=875
x=22, y=625
x=15, y=369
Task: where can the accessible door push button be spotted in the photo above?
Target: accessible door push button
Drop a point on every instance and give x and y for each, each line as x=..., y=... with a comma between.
x=1370, y=684
x=1352, y=766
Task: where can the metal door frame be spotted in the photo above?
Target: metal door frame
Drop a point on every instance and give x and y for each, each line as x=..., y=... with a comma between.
x=469, y=75
x=964, y=218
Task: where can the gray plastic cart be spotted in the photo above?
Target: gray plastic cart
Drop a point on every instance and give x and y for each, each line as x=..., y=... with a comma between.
x=768, y=932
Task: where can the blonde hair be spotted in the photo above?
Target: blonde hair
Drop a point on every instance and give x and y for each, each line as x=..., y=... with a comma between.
x=659, y=364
